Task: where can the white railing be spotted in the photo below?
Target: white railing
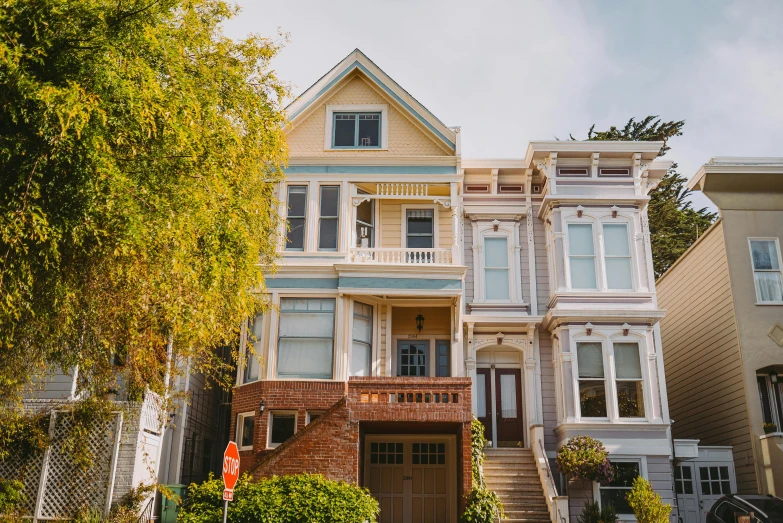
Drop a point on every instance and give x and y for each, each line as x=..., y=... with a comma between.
x=558, y=505
x=401, y=256
x=401, y=189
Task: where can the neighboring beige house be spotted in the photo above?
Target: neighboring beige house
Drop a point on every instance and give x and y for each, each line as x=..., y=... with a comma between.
x=723, y=330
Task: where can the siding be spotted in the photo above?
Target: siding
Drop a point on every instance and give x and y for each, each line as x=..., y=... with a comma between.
x=55, y=386
x=405, y=138
x=524, y=262
x=701, y=354
x=392, y=226
x=548, y=395
x=468, y=259
x=542, y=263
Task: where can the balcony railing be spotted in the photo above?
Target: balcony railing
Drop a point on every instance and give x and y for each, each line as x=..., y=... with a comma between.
x=401, y=256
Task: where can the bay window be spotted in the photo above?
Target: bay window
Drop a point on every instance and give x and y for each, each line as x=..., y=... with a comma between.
x=361, y=350
x=617, y=257
x=305, y=343
x=628, y=378
x=496, y=269
x=329, y=221
x=297, y=217
x=581, y=255
x=592, y=381
x=765, y=256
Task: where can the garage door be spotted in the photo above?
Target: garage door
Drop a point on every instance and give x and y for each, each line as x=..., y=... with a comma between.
x=409, y=476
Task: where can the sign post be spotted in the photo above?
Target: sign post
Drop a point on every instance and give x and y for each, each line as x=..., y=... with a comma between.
x=230, y=475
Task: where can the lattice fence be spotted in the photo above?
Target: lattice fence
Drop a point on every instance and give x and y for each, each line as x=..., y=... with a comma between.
x=67, y=488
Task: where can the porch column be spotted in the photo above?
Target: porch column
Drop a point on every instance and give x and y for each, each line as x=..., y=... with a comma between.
x=456, y=249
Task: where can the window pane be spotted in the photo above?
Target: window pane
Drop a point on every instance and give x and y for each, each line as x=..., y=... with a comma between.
x=764, y=398
x=247, y=431
x=360, y=359
x=583, y=273
x=495, y=252
x=769, y=286
x=364, y=224
x=443, y=355
x=618, y=273
x=624, y=474
x=419, y=242
x=295, y=236
x=765, y=255
x=616, y=498
x=413, y=359
x=344, y=130
x=369, y=130
x=304, y=358
x=330, y=200
x=283, y=427
x=327, y=234
x=364, y=212
x=420, y=222
x=630, y=400
x=481, y=396
x=580, y=239
x=306, y=324
x=496, y=281
x=362, y=329
x=590, y=360
x=592, y=398
x=297, y=200
x=508, y=396
x=616, y=240
x=626, y=361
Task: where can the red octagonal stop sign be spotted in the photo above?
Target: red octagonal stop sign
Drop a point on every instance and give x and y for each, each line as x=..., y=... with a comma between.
x=231, y=465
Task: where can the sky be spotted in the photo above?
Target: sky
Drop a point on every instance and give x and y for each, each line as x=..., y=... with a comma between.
x=510, y=72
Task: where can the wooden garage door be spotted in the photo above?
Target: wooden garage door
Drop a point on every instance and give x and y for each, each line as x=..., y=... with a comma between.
x=410, y=478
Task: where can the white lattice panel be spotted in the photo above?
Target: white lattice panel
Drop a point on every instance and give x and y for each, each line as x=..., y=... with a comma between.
x=68, y=487
x=29, y=474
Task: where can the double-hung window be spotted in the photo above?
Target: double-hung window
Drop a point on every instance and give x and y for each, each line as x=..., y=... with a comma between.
x=356, y=130
x=581, y=253
x=614, y=492
x=617, y=257
x=365, y=224
x=420, y=228
x=297, y=217
x=765, y=255
x=328, y=224
x=628, y=377
x=245, y=422
x=496, y=269
x=305, y=346
x=362, y=340
x=592, y=381
x=253, y=348
x=282, y=425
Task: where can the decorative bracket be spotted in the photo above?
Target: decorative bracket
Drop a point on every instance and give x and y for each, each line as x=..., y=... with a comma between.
x=358, y=200
x=445, y=202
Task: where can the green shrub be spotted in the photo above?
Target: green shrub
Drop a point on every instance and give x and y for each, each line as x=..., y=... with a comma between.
x=477, y=443
x=646, y=503
x=592, y=513
x=483, y=506
x=287, y=499
x=11, y=500
x=585, y=458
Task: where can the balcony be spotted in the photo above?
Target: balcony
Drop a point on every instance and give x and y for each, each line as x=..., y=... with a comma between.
x=401, y=256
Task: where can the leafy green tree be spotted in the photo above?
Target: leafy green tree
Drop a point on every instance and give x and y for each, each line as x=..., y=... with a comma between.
x=139, y=148
x=647, y=505
x=674, y=223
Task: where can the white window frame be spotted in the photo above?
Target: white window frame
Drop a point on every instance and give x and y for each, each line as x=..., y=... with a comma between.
x=510, y=231
x=350, y=108
x=306, y=219
x=642, y=461
x=338, y=218
x=373, y=342
x=753, y=268
x=645, y=385
x=607, y=377
x=275, y=340
x=435, y=223
x=259, y=355
x=270, y=422
x=240, y=429
x=620, y=220
x=308, y=418
x=597, y=253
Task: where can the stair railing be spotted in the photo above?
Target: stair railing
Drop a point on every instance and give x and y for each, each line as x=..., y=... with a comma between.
x=558, y=505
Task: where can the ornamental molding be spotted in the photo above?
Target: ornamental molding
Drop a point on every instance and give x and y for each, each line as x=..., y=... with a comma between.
x=445, y=202
x=491, y=341
x=358, y=200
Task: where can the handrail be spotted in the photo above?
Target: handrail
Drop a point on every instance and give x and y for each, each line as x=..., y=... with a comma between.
x=146, y=515
x=558, y=503
x=401, y=255
x=548, y=468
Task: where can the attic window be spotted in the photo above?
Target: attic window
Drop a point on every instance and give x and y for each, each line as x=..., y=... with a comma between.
x=614, y=172
x=573, y=171
x=510, y=188
x=357, y=130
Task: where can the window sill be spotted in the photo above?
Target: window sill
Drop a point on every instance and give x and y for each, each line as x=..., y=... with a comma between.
x=244, y=449
x=778, y=303
x=333, y=149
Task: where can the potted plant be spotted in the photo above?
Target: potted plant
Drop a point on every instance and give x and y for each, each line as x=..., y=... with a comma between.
x=770, y=428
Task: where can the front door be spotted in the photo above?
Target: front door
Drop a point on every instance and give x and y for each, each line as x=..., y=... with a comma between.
x=687, y=499
x=714, y=481
x=411, y=477
x=484, y=401
x=413, y=358
x=508, y=406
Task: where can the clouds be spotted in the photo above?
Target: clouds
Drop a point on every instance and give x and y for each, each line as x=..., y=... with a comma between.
x=511, y=72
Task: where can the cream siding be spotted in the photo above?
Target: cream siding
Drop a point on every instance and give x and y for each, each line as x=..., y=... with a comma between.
x=468, y=261
x=392, y=226
x=542, y=262
x=405, y=137
x=701, y=349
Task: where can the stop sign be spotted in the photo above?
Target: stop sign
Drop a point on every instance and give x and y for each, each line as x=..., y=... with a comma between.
x=231, y=465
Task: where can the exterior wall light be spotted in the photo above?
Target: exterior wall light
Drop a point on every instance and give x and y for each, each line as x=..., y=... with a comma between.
x=261, y=406
x=419, y=322
x=589, y=328
x=773, y=376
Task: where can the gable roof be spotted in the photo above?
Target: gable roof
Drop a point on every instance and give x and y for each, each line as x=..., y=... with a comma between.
x=357, y=60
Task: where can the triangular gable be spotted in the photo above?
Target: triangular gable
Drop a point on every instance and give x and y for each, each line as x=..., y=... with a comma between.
x=357, y=60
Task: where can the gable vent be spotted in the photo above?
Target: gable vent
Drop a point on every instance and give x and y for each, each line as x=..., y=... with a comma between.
x=510, y=189
x=477, y=188
x=573, y=171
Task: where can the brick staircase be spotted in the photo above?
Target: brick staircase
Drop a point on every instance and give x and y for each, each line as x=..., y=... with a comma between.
x=512, y=474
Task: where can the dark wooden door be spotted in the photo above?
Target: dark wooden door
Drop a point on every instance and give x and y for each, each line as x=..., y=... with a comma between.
x=508, y=405
x=484, y=400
